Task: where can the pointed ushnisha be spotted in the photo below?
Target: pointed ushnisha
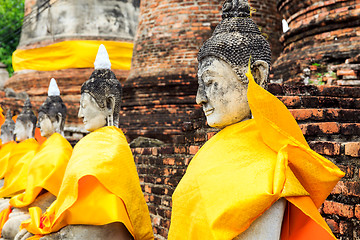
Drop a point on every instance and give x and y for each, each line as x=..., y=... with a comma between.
x=27, y=105
x=53, y=88
x=102, y=60
x=8, y=115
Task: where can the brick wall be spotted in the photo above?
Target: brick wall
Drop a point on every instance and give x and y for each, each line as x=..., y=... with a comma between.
x=321, y=32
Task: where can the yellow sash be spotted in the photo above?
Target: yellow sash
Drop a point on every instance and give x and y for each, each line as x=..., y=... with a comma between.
x=72, y=54
x=46, y=170
x=2, y=119
x=16, y=175
x=5, y=152
x=100, y=186
x=246, y=167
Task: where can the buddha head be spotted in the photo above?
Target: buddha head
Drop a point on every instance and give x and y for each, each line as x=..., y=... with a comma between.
x=52, y=113
x=7, y=129
x=25, y=123
x=223, y=62
x=100, y=95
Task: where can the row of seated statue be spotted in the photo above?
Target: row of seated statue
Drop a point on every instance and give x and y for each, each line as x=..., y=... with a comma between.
x=255, y=179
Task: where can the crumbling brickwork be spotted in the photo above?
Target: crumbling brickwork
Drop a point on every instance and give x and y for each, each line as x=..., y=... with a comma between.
x=321, y=32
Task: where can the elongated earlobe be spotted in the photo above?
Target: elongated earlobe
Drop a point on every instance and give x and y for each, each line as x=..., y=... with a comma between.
x=110, y=107
x=260, y=71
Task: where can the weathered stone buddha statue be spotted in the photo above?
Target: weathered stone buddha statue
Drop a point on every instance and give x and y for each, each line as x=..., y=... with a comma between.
x=7, y=129
x=48, y=166
x=25, y=123
x=15, y=175
x=8, y=143
x=256, y=178
x=100, y=196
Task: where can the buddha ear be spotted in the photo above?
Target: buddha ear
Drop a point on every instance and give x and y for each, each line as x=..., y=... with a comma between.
x=58, y=117
x=110, y=104
x=260, y=71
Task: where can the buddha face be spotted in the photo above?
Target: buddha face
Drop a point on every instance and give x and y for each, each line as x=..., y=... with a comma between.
x=21, y=131
x=46, y=126
x=93, y=116
x=7, y=134
x=221, y=93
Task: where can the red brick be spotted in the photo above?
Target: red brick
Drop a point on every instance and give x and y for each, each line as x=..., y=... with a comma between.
x=193, y=149
x=357, y=211
x=348, y=188
x=147, y=189
x=180, y=149
x=210, y=135
x=345, y=228
x=325, y=147
x=169, y=161
x=325, y=128
x=305, y=114
x=340, y=209
x=352, y=149
x=291, y=101
x=346, y=72
x=334, y=226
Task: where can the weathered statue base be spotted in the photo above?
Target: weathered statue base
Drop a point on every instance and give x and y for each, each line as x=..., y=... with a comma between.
x=18, y=215
x=112, y=231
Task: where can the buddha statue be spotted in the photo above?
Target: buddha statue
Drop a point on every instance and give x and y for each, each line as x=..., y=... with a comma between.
x=25, y=123
x=254, y=179
x=100, y=196
x=8, y=143
x=52, y=112
x=15, y=175
x=7, y=129
x=47, y=167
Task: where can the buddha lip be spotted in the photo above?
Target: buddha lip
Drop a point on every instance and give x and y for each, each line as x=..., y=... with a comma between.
x=209, y=111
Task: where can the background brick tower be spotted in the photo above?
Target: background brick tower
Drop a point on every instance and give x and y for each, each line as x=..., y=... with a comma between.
x=53, y=21
x=323, y=36
x=159, y=95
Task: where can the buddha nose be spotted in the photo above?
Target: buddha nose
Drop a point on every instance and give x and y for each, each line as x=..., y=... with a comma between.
x=80, y=114
x=201, y=98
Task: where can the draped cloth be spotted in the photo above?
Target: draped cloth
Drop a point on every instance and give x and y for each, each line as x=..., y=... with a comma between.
x=100, y=186
x=72, y=54
x=5, y=152
x=15, y=177
x=2, y=119
x=240, y=172
x=46, y=170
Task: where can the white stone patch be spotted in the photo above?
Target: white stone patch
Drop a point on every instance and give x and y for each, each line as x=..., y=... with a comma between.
x=53, y=88
x=102, y=60
x=285, y=26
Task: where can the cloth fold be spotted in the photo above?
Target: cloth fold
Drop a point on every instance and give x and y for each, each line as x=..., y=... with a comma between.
x=4, y=216
x=101, y=180
x=46, y=170
x=246, y=167
x=5, y=153
x=15, y=178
